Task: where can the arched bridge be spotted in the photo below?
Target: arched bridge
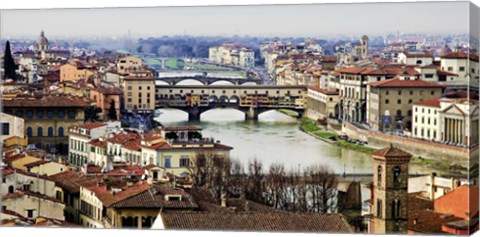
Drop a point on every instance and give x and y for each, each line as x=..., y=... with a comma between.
x=250, y=99
x=172, y=81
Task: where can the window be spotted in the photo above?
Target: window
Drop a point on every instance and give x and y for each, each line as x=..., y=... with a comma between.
x=49, y=114
x=379, y=176
x=71, y=114
x=19, y=113
x=399, y=101
x=30, y=213
x=29, y=131
x=167, y=162
x=432, y=92
x=184, y=162
x=396, y=176
x=399, y=92
x=387, y=101
x=450, y=69
x=399, y=113
x=50, y=131
x=40, y=114
x=39, y=132
x=60, y=132
x=11, y=189
x=386, y=92
x=409, y=113
x=379, y=208
x=29, y=114
x=429, y=75
x=61, y=114
x=411, y=92
x=419, y=62
x=58, y=195
x=395, y=209
x=5, y=128
x=462, y=69
x=130, y=88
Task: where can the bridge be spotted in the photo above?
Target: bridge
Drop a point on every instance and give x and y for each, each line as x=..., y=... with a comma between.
x=250, y=99
x=172, y=81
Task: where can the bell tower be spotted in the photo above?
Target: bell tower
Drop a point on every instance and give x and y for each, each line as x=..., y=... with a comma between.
x=390, y=190
x=364, y=42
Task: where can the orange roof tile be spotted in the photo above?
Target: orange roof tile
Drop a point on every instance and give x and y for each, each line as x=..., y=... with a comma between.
x=429, y=103
x=396, y=82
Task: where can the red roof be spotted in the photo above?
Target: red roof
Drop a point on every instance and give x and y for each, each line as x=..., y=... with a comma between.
x=323, y=91
x=461, y=202
x=429, y=103
x=396, y=82
x=391, y=152
x=98, y=143
x=123, y=138
x=45, y=101
x=92, y=125
x=418, y=54
x=461, y=55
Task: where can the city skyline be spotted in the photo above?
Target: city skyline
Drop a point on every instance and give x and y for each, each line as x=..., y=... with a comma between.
x=318, y=20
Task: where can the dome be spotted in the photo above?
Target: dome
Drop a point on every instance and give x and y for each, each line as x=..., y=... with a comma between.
x=42, y=40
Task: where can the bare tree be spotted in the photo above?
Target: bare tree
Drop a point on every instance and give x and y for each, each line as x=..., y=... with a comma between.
x=323, y=184
x=255, y=177
x=276, y=186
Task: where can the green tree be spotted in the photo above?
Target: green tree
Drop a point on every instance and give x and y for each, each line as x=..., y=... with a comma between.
x=112, y=112
x=91, y=114
x=9, y=64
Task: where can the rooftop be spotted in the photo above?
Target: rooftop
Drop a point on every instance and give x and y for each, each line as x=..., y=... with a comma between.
x=44, y=101
x=396, y=82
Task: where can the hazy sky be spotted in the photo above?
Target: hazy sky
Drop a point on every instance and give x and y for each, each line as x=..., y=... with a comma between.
x=270, y=20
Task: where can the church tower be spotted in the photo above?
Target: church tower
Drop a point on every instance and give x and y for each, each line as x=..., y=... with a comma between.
x=390, y=190
x=364, y=42
x=41, y=44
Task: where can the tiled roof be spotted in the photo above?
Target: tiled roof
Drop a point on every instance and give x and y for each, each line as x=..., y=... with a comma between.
x=391, y=152
x=45, y=101
x=417, y=54
x=155, y=198
x=13, y=158
x=92, y=125
x=461, y=55
x=108, y=91
x=133, y=145
x=396, y=82
x=36, y=163
x=108, y=198
x=132, y=170
x=65, y=180
x=256, y=221
x=123, y=138
x=323, y=91
x=352, y=70
x=429, y=103
x=445, y=73
x=98, y=143
x=462, y=201
x=21, y=193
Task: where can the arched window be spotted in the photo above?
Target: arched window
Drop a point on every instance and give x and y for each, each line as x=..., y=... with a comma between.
x=60, y=132
x=50, y=131
x=399, y=101
x=399, y=113
x=29, y=132
x=11, y=189
x=396, y=176
x=379, y=176
x=387, y=101
x=395, y=207
x=379, y=208
x=39, y=132
x=419, y=62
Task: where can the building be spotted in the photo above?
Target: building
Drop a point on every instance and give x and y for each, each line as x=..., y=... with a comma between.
x=47, y=117
x=434, y=186
x=79, y=138
x=232, y=54
x=451, y=121
x=421, y=58
x=139, y=94
x=390, y=102
x=390, y=187
x=69, y=193
x=12, y=126
x=103, y=97
x=465, y=65
x=76, y=69
x=128, y=64
x=33, y=205
x=322, y=103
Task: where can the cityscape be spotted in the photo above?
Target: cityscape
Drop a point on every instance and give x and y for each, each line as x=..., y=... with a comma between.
x=282, y=120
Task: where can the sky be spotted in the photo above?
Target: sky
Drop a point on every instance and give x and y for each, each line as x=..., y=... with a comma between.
x=318, y=20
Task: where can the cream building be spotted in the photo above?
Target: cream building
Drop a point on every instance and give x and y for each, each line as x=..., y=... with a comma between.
x=420, y=58
x=32, y=205
x=76, y=69
x=139, y=94
x=79, y=138
x=463, y=64
x=232, y=54
x=12, y=126
x=321, y=103
x=128, y=64
x=451, y=121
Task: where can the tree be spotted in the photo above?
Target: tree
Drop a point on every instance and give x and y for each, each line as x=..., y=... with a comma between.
x=8, y=63
x=112, y=112
x=323, y=187
x=91, y=114
x=254, y=189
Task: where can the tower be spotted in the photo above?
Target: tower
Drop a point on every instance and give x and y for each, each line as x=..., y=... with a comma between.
x=364, y=42
x=41, y=44
x=390, y=190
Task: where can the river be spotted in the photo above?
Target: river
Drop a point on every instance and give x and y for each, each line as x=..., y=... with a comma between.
x=274, y=138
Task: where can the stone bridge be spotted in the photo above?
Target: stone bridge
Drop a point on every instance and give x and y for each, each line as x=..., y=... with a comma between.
x=250, y=99
x=172, y=81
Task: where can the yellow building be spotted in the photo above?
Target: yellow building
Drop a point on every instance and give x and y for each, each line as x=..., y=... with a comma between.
x=47, y=117
x=139, y=94
x=128, y=64
x=76, y=69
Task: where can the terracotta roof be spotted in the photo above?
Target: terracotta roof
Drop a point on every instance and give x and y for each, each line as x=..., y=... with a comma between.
x=391, y=152
x=123, y=138
x=396, y=82
x=65, y=181
x=132, y=145
x=429, y=103
x=352, y=70
x=21, y=193
x=131, y=170
x=323, y=91
x=462, y=201
x=461, y=55
x=256, y=221
x=108, y=91
x=92, y=125
x=44, y=101
x=445, y=73
x=98, y=143
x=13, y=158
x=108, y=198
x=155, y=198
x=36, y=163
x=417, y=54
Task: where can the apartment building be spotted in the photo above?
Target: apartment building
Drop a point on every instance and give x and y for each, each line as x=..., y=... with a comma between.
x=139, y=94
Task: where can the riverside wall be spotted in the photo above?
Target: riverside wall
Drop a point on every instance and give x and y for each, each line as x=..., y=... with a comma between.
x=425, y=149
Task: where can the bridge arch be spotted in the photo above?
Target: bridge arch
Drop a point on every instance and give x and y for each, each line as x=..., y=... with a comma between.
x=213, y=99
x=249, y=83
x=234, y=99
x=224, y=99
x=161, y=83
x=222, y=83
x=190, y=82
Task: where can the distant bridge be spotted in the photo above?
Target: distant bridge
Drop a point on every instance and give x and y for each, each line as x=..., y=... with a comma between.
x=250, y=99
x=172, y=81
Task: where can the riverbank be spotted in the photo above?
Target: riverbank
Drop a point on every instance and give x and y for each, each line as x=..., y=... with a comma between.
x=310, y=127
